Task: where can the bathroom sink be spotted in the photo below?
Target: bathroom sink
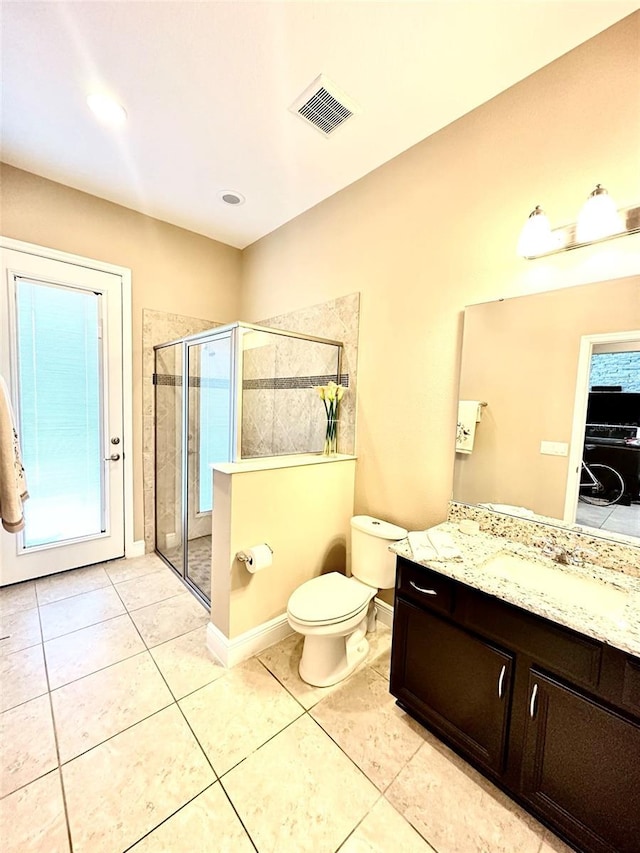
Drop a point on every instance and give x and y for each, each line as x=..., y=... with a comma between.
x=560, y=583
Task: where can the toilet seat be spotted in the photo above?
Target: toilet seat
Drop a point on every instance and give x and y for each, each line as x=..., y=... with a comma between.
x=329, y=599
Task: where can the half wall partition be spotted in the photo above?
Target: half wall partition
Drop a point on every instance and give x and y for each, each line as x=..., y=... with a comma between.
x=235, y=392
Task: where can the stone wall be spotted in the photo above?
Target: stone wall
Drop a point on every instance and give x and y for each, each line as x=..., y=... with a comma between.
x=616, y=368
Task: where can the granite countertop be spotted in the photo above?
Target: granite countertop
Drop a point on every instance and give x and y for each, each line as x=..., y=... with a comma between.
x=619, y=628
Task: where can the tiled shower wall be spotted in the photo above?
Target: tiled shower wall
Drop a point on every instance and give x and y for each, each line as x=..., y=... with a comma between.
x=281, y=410
x=299, y=416
x=168, y=449
x=286, y=418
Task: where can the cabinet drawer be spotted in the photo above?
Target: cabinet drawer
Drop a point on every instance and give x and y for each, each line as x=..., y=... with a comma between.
x=425, y=587
x=559, y=649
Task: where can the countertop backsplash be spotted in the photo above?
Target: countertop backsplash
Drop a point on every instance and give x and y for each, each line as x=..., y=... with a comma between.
x=611, y=555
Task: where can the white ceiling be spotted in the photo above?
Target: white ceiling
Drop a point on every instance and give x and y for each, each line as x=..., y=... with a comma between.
x=207, y=86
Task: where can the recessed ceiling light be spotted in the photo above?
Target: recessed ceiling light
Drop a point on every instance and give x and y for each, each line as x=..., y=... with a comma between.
x=106, y=109
x=231, y=197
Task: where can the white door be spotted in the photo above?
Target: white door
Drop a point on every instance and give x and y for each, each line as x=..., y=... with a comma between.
x=61, y=356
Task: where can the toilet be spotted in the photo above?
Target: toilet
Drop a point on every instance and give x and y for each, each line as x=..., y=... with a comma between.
x=334, y=612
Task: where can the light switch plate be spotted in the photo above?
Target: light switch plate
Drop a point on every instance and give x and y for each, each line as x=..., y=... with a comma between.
x=554, y=448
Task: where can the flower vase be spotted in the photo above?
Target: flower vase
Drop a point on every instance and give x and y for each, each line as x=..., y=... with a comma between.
x=331, y=437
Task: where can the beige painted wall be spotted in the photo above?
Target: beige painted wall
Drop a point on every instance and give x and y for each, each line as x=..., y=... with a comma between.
x=520, y=356
x=173, y=270
x=302, y=512
x=436, y=229
x=421, y=237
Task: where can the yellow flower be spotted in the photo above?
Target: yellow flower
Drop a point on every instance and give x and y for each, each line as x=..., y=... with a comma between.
x=331, y=394
x=330, y=391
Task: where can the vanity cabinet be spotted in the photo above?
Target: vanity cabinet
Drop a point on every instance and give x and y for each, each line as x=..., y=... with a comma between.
x=548, y=714
x=457, y=682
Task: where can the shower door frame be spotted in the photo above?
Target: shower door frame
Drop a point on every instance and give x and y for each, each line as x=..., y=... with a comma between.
x=230, y=330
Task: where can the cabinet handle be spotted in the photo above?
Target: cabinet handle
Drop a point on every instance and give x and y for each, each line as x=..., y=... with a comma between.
x=532, y=704
x=421, y=589
x=501, y=680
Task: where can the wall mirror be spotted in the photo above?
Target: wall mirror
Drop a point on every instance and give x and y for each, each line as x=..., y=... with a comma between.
x=532, y=360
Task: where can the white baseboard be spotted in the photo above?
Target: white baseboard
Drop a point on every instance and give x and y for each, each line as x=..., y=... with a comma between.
x=252, y=642
x=385, y=612
x=135, y=549
x=232, y=652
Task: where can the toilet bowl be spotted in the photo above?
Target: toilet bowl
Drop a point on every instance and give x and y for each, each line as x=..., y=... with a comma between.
x=334, y=612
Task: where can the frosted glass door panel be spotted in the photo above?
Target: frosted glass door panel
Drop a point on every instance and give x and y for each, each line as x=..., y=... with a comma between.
x=59, y=380
x=209, y=421
x=209, y=412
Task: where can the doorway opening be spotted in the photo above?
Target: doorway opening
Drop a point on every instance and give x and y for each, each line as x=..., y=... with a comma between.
x=608, y=487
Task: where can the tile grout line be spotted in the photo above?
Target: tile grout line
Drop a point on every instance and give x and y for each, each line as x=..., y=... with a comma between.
x=381, y=793
x=173, y=814
x=146, y=650
x=55, y=737
x=206, y=757
x=360, y=822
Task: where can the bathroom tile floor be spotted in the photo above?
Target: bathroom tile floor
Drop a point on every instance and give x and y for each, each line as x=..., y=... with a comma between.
x=616, y=518
x=119, y=732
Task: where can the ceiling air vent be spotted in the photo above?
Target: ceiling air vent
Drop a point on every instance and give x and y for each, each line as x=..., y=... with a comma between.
x=324, y=106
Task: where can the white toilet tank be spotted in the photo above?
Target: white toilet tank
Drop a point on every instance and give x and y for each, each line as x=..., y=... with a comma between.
x=371, y=561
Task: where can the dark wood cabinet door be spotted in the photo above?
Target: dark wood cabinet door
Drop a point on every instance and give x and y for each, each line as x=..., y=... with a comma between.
x=581, y=767
x=457, y=683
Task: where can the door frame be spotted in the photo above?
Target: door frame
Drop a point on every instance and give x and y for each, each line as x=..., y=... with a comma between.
x=132, y=548
x=587, y=345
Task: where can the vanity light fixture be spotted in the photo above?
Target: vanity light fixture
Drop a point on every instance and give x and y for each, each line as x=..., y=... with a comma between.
x=599, y=219
x=536, y=237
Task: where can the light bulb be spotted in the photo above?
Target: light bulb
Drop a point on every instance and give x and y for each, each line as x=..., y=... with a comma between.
x=106, y=109
x=536, y=237
x=598, y=217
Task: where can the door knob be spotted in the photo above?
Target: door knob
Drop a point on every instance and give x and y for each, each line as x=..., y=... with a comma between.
x=113, y=458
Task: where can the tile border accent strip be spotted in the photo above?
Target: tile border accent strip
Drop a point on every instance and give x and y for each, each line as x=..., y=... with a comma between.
x=284, y=382
x=271, y=383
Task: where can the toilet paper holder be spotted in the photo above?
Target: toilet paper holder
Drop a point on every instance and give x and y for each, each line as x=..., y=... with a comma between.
x=245, y=558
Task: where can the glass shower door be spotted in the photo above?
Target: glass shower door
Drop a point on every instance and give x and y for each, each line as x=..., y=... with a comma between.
x=210, y=431
x=168, y=454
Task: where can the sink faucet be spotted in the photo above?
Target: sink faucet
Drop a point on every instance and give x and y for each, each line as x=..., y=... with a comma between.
x=564, y=556
x=561, y=555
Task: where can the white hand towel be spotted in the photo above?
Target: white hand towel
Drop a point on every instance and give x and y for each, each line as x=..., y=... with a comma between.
x=429, y=545
x=469, y=413
x=444, y=545
x=509, y=509
x=13, y=488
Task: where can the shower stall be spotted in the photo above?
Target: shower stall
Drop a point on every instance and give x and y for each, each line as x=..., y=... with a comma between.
x=249, y=393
